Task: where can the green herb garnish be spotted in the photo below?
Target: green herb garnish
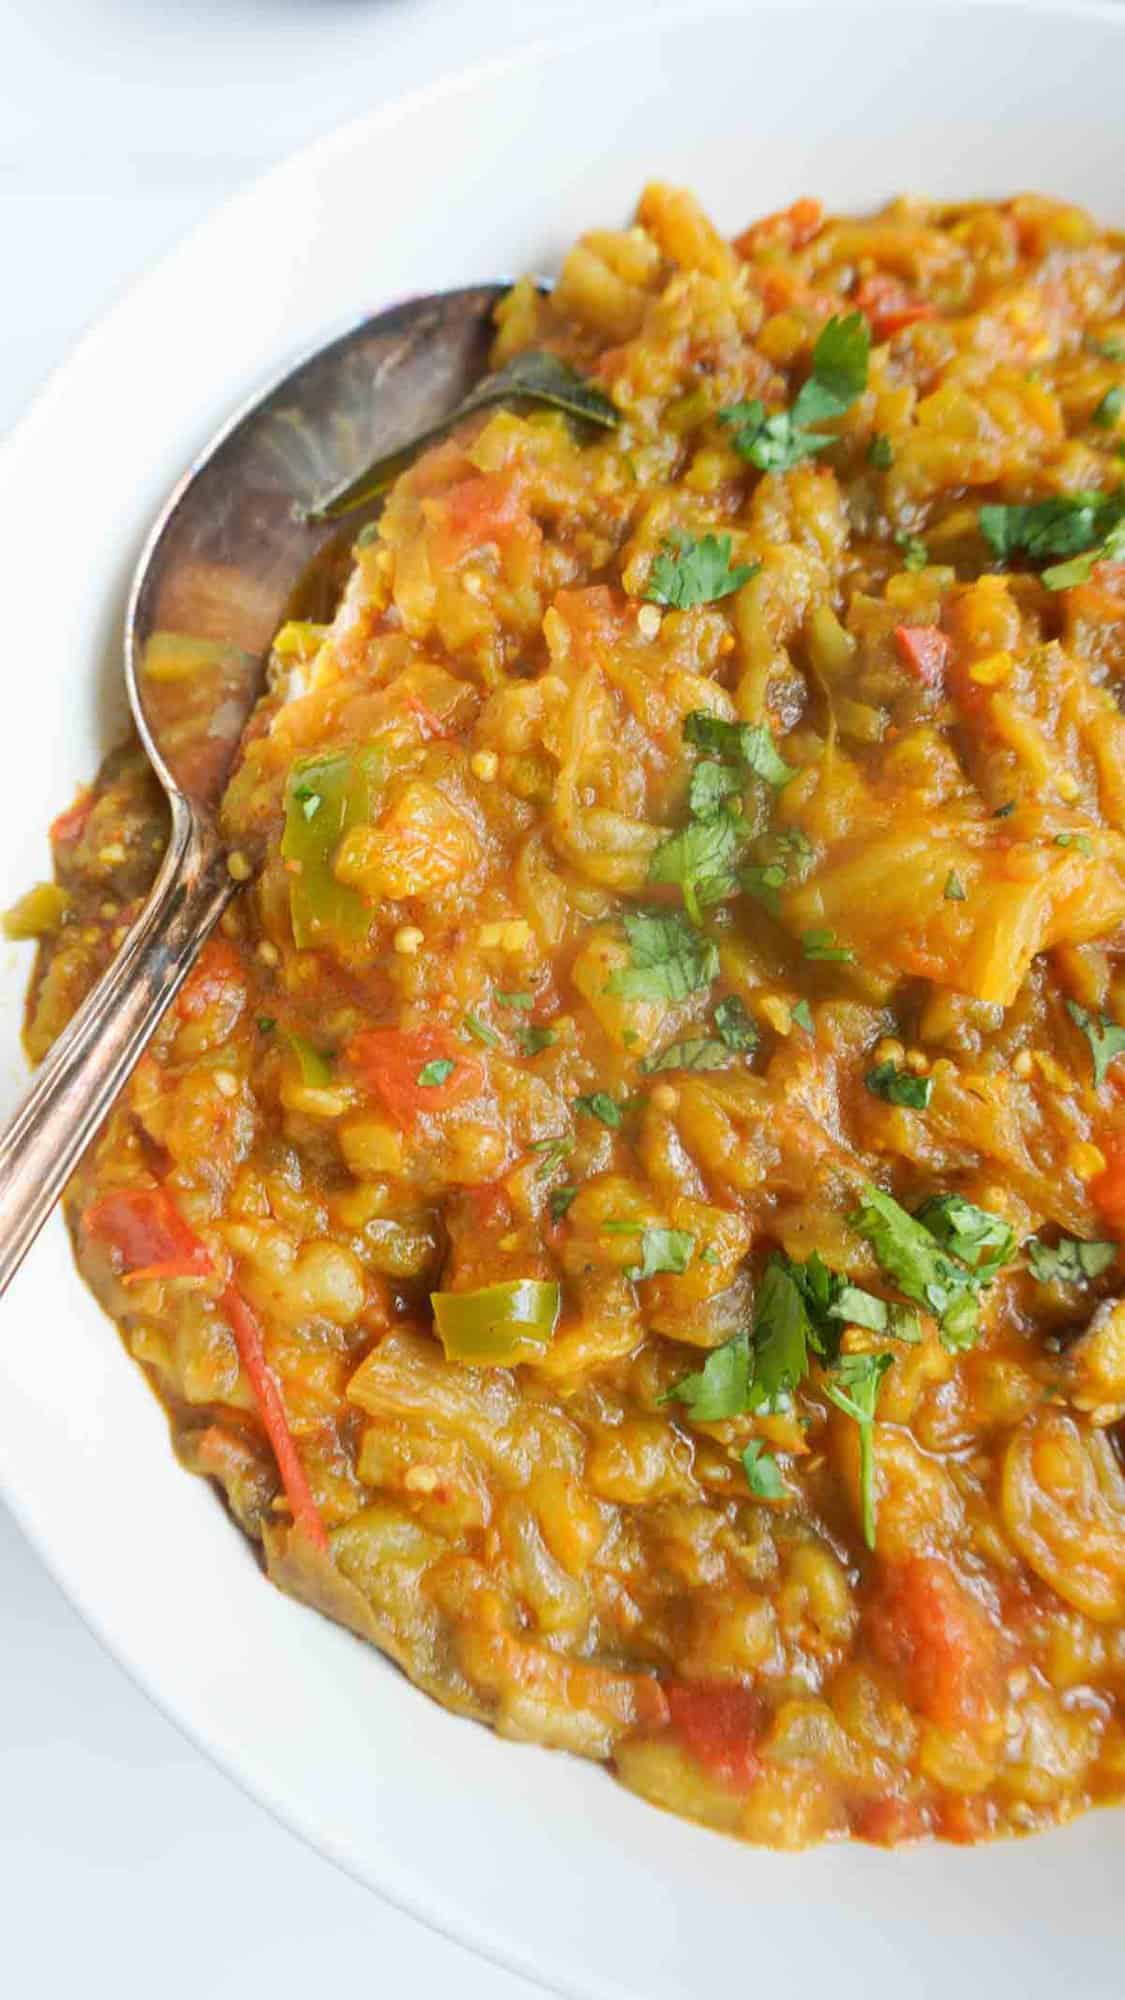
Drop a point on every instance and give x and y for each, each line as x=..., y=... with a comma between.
x=734, y=1025
x=700, y=861
x=824, y=945
x=763, y=1475
x=434, y=1073
x=1069, y=1261
x=776, y=441
x=663, y=1250
x=266, y=1024
x=560, y=1201
x=1109, y=409
x=1087, y=527
x=954, y=891
x=599, y=1104
x=669, y=960
x=534, y=1038
x=688, y=572
x=801, y=1012
x=1106, y=1039
x=880, y=452
x=854, y=1388
x=899, y=1086
x=481, y=1032
x=701, y=1053
x=911, y=1257
x=915, y=554
x=748, y=744
x=981, y=1240
x=1081, y=841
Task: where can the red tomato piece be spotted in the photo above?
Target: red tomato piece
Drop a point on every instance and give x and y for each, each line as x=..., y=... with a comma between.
x=890, y=1822
x=487, y=508
x=924, y=652
x=888, y=305
x=146, y=1229
x=69, y=824
x=931, y=1631
x=1107, y=1189
x=717, y=1722
x=248, y=1339
x=790, y=228
x=390, y=1061
x=217, y=979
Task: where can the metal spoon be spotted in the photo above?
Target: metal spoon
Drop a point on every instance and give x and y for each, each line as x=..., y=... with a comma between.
x=213, y=584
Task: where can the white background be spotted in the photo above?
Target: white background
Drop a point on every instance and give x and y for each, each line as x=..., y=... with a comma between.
x=128, y=1864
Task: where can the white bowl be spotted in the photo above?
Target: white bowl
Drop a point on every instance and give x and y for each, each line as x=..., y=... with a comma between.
x=535, y=1859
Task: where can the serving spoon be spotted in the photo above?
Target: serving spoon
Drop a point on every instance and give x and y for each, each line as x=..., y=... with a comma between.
x=214, y=582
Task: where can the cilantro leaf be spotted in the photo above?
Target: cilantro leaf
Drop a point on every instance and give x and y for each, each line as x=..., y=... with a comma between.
x=910, y=1255
x=777, y=441
x=915, y=554
x=697, y=1054
x=735, y=1027
x=980, y=1239
x=839, y=370
x=749, y=744
x=781, y=1338
x=855, y=1390
x=1069, y=1261
x=711, y=786
x=481, y=1032
x=1110, y=408
x=825, y=945
x=1087, y=527
x=801, y=1012
x=721, y=1388
x=700, y=861
x=1081, y=841
x=552, y=1152
x=954, y=891
x=854, y=1306
x=880, y=452
x=763, y=1474
x=899, y=1086
x=599, y=1104
x=433, y=1073
x=560, y=1201
x=1106, y=1039
x=523, y=1001
x=534, y=1038
x=688, y=572
x=669, y=959
x=663, y=1250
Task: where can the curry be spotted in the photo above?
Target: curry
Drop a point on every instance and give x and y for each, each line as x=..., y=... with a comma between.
x=626, y=1210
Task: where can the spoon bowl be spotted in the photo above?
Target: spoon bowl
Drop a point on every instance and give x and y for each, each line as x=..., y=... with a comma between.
x=215, y=580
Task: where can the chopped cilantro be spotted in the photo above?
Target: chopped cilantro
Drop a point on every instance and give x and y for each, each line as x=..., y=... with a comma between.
x=802, y=1014
x=1110, y=408
x=266, y=1024
x=533, y=1038
x=899, y=1086
x=712, y=786
x=776, y=441
x=599, y=1104
x=668, y=959
x=481, y=1032
x=689, y=572
x=663, y=1250
x=560, y=1201
x=980, y=1239
x=1087, y=527
x=763, y=1475
x=1106, y=1039
x=434, y=1073
x=781, y=1338
x=309, y=801
x=620, y=1226
x=552, y=1153
x=915, y=554
x=854, y=1388
x=911, y=1257
x=954, y=891
x=826, y=946
x=699, y=860
x=1081, y=841
x=749, y=744
x=524, y=1001
x=880, y=452
x=765, y=883
x=721, y=1388
x=855, y=1307
x=1111, y=349
x=734, y=1025
x=1069, y=1261
x=700, y=1053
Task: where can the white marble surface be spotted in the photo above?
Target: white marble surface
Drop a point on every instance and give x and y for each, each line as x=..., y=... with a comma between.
x=128, y=1864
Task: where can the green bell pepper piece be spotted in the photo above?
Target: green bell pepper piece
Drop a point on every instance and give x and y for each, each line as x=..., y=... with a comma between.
x=315, y=1068
x=325, y=796
x=498, y=1325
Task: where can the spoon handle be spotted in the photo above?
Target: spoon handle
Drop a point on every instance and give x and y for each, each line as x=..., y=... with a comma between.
x=43, y=1140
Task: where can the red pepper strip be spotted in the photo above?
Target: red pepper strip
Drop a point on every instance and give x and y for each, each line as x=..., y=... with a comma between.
x=70, y=823
x=146, y=1228
x=389, y=1062
x=717, y=1724
x=251, y=1352
x=924, y=651
x=889, y=306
